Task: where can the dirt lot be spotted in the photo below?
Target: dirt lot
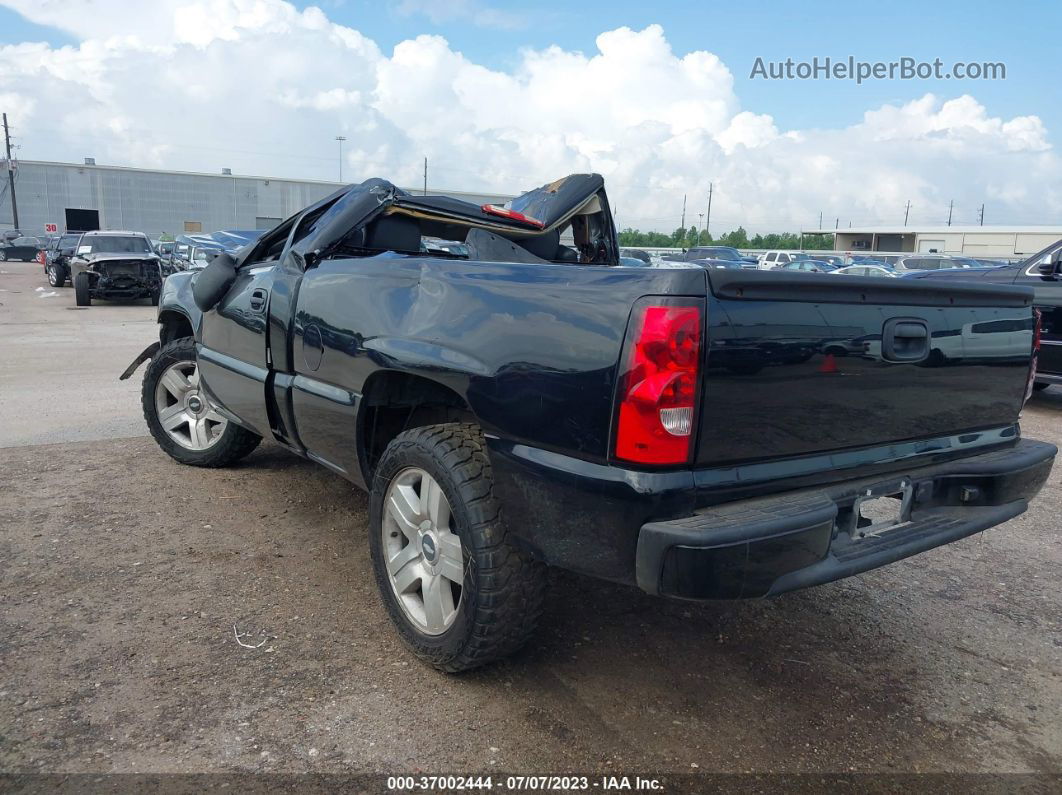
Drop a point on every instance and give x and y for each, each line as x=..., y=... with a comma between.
x=122, y=575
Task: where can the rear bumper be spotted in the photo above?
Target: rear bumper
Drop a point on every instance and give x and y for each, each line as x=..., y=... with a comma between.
x=771, y=545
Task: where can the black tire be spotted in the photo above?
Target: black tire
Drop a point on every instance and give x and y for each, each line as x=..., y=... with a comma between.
x=1040, y=386
x=233, y=444
x=503, y=590
x=154, y=299
x=3, y=255
x=56, y=275
x=82, y=296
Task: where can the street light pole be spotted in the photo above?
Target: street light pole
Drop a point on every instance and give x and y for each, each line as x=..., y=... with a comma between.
x=341, y=139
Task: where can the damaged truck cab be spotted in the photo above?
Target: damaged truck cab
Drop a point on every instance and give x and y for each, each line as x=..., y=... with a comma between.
x=520, y=399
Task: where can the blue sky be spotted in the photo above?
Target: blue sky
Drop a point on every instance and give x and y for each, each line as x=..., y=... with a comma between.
x=658, y=126
x=1023, y=35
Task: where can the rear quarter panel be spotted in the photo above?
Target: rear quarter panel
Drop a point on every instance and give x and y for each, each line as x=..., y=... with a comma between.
x=533, y=349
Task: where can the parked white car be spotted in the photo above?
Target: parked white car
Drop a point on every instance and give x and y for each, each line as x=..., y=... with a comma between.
x=772, y=259
x=865, y=270
x=929, y=262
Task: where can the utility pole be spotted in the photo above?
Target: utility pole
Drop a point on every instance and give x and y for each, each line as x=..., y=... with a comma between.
x=951, y=206
x=820, y=219
x=683, y=224
x=708, y=220
x=906, y=213
x=982, y=208
x=10, y=174
x=836, y=223
x=341, y=139
x=425, y=176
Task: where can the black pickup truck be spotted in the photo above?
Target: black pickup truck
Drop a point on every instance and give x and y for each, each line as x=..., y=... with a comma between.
x=522, y=400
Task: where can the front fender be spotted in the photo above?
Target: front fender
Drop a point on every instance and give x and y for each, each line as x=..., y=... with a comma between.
x=176, y=296
x=175, y=302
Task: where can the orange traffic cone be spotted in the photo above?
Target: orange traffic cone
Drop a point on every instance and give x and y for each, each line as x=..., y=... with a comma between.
x=829, y=364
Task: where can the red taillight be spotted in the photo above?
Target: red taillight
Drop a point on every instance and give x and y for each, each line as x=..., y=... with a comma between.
x=1037, y=322
x=512, y=215
x=658, y=385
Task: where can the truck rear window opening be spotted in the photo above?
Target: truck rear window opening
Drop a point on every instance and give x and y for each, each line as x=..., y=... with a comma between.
x=658, y=385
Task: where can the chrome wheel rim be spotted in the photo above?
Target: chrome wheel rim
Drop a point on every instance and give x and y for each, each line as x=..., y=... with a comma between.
x=183, y=410
x=423, y=556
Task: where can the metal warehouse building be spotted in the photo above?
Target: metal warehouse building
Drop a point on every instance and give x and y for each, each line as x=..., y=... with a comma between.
x=973, y=241
x=86, y=196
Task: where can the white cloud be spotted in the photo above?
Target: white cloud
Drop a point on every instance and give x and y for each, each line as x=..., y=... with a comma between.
x=262, y=87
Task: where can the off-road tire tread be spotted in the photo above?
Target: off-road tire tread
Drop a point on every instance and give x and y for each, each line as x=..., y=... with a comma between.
x=511, y=583
x=235, y=443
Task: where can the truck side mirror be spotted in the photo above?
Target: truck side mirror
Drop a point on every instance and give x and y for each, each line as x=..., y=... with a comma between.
x=1051, y=266
x=211, y=283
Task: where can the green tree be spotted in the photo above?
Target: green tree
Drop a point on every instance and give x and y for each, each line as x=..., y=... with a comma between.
x=818, y=242
x=739, y=238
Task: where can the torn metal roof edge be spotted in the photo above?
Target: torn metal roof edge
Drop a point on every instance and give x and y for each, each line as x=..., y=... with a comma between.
x=353, y=206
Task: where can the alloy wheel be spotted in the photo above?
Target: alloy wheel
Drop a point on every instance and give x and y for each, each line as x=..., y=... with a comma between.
x=184, y=411
x=424, y=558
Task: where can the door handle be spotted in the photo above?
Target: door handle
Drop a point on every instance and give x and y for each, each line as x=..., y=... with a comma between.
x=258, y=299
x=905, y=339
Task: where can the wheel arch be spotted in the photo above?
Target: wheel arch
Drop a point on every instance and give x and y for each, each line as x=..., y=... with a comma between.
x=173, y=325
x=394, y=401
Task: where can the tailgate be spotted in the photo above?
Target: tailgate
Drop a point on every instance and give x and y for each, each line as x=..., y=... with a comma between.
x=811, y=363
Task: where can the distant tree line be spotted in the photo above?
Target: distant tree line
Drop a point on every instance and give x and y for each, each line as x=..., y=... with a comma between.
x=739, y=238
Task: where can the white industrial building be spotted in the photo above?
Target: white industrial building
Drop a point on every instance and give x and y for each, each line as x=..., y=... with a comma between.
x=972, y=241
x=86, y=196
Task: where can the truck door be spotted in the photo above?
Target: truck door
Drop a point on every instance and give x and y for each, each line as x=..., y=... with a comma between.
x=244, y=339
x=233, y=347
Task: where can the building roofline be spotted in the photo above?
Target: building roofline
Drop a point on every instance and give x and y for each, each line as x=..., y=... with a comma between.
x=293, y=180
x=939, y=230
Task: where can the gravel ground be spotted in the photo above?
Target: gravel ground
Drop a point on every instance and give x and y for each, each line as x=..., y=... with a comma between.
x=122, y=575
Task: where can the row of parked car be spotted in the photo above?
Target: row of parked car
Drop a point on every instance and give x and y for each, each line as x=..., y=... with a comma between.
x=887, y=265
x=122, y=265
